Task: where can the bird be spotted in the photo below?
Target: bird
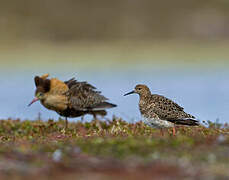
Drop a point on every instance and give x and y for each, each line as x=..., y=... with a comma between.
x=70, y=98
x=160, y=112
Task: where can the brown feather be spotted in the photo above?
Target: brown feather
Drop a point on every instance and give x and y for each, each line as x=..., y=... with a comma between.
x=71, y=98
x=38, y=81
x=84, y=96
x=57, y=86
x=157, y=107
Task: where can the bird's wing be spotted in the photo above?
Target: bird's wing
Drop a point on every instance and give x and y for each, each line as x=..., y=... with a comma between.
x=167, y=109
x=84, y=96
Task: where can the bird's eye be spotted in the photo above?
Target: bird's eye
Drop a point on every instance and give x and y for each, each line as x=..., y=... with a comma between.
x=39, y=94
x=139, y=88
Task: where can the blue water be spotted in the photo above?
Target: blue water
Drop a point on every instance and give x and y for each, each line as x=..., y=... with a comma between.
x=203, y=93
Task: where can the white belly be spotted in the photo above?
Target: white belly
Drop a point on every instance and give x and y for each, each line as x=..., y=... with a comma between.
x=157, y=123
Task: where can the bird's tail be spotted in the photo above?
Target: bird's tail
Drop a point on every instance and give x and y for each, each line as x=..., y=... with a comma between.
x=187, y=122
x=102, y=106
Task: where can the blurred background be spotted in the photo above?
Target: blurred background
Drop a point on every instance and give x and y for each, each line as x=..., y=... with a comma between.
x=178, y=48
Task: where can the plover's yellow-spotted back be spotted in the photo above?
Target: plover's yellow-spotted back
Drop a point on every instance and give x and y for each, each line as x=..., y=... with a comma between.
x=160, y=112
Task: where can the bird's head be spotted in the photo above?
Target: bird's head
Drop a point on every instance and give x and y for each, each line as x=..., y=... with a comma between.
x=43, y=86
x=39, y=93
x=140, y=89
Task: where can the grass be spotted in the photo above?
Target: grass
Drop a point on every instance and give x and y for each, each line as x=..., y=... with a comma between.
x=110, y=150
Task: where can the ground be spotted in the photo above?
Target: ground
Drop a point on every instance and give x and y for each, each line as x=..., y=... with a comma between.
x=110, y=150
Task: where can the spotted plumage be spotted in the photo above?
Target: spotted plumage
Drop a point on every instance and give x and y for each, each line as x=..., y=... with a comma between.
x=70, y=98
x=83, y=96
x=161, y=112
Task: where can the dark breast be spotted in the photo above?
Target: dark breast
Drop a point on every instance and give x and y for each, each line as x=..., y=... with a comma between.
x=70, y=112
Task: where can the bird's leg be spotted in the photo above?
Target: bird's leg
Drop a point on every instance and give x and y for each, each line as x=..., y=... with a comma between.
x=66, y=122
x=162, y=132
x=174, y=131
x=82, y=118
x=94, y=116
x=97, y=122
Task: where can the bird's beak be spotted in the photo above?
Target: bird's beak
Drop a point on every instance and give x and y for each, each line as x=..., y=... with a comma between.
x=33, y=101
x=132, y=92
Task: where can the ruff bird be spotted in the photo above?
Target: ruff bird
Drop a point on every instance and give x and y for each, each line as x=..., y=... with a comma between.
x=70, y=98
x=160, y=112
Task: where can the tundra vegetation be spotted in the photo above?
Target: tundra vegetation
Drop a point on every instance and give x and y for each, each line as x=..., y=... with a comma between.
x=111, y=149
